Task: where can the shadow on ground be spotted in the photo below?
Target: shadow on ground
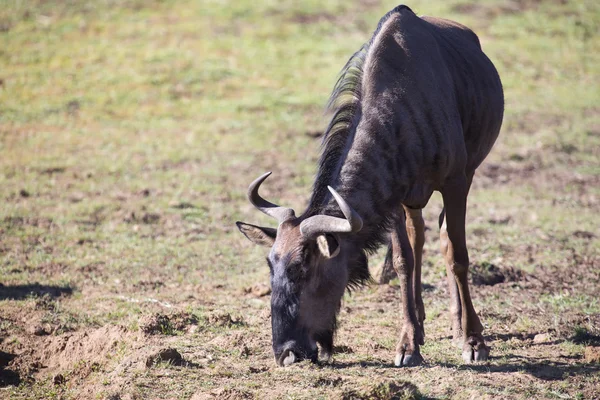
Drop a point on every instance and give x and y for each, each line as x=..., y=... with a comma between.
x=541, y=368
x=7, y=377
x=19, y=292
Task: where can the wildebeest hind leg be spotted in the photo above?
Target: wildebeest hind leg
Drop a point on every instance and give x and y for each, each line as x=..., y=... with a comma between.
x=455, y=306
x=454, y=194
x=387, y=269
x=407, y=351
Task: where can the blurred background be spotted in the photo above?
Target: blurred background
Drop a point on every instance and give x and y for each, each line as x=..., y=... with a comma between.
x=129, y=131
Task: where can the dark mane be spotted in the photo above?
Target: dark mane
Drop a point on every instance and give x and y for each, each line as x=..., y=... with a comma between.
x=345, y=105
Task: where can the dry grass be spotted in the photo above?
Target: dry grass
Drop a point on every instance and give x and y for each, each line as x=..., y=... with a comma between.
x=129, y=132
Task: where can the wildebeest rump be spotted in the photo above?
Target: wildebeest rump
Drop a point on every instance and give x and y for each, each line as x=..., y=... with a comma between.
x=416, y=109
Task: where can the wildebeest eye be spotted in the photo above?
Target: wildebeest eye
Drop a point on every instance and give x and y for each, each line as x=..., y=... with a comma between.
x=295, y=271
x=270, y=265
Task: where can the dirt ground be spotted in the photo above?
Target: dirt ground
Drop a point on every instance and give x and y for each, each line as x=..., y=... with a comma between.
x=129, y=132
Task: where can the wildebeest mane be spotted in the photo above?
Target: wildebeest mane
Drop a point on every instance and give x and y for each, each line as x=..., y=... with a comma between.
x=345, y=106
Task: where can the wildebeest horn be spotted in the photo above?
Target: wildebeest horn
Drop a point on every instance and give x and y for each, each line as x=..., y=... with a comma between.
x=319, y=224
x=279, y=213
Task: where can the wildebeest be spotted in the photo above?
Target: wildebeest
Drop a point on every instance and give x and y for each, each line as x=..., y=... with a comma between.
x=416, y=109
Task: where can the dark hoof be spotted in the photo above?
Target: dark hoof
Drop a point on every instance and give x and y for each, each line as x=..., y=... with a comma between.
x=475, y=350
x=405, y=359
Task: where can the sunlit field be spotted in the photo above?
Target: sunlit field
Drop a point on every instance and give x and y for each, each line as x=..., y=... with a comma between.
x=130, y=130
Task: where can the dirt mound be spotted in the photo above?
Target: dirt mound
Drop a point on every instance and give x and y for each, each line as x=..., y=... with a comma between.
x=489, y=274
x=75, y=354
x=384, y=390
x=223, y=393
x=220, y=318
x=258, y=290
x=64, y=352
x=7, y=377
x=167, y=324
x=167, y=355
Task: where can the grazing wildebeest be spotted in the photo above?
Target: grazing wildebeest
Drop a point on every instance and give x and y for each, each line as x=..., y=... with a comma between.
x=416, y=109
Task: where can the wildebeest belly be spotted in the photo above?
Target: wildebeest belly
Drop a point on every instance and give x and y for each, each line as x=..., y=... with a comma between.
x=418, y=195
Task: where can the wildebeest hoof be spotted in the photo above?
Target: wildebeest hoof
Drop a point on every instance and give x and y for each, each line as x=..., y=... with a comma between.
x=475, y=350
x=405, y=359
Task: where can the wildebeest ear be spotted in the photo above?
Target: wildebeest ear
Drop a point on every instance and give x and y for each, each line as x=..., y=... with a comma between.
x=328, y=245
x=258, y=234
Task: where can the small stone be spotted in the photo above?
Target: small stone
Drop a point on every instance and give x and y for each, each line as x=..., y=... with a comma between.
x=170, y=355
x=156, y=324
x=181, y=205
x=150, y=218
x=541, y=338
x=257, y=369
x=59, y=379
x=77, y=197
x=259, y=290
x=343, y=349
x=245, y=351
x=584, y=235
x=224, y=319
x=38, y=330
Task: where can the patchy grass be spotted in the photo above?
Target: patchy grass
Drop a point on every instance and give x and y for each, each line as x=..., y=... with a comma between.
x=130, y=130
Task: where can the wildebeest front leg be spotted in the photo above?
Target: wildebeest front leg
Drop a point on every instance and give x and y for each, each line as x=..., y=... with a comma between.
x=415, y=228
x=454, y=194
x=407, y=351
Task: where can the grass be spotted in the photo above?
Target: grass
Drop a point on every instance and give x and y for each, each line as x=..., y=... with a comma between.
x=130, y=130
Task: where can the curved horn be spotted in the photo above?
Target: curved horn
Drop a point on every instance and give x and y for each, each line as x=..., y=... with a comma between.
x=319, y=224
x=273, y=210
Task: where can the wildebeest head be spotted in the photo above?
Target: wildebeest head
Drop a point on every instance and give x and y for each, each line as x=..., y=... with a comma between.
x=308, y=265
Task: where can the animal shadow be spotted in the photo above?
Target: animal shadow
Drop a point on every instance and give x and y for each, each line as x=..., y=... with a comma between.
x=541, y=368
x=7, y=377
x=20, y=292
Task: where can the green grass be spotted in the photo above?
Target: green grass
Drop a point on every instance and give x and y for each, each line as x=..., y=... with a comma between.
x=129, y=131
